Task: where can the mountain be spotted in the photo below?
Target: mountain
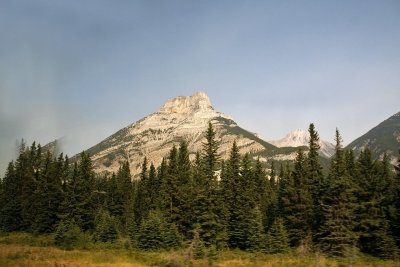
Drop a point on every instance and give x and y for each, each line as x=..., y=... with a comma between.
x=385, y=137
x=301, y=137
x=181, y=118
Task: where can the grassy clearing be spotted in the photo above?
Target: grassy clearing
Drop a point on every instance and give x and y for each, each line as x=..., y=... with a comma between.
x=27, y=250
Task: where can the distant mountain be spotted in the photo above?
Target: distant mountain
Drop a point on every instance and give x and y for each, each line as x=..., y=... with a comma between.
x=301, y=137
x=385, y=137
x=181, y=118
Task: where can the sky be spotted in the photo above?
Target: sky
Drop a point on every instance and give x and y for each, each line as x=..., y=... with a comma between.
x=82, y=70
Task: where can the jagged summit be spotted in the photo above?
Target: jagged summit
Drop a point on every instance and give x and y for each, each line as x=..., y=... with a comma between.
x=199, y=102
x=300, y=137
x=181, y=118
x=295, y=138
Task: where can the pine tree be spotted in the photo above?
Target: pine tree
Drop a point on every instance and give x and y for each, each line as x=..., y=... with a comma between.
x=125, y=195
x=315, y=178
x=156, y=233
x=337, y=236
x=105, y=229
x=372, y=225
x=296, y=203
x=78, y=204
x=270, y=199
x=185, y=186
x=255, y=237
x=48, y=194
x=208, y=207
x=231, y=190
x=142, y=198
x=395, y=221
x=10, y=215
x=277, y=240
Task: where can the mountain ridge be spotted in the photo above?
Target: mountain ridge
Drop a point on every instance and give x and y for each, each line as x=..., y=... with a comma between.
x=383, y=138
x=180, y=118
x=300, y=137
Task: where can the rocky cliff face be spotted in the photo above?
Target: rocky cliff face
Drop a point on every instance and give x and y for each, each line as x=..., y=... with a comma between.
x=181, y=118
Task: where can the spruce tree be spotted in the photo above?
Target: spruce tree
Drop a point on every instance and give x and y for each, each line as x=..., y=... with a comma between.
x=208, y=204
x=372, y=224
x=105, y=229
x=277, y=240
x=10, y=212
x=337, y=236
x=315, y=178
x=125, y=195
x=142, y=197
x=78, y=204
x=48, y=195
x=296, y=203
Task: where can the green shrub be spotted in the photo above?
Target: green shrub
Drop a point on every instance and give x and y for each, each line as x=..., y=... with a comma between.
x=68, y=235
x=105, y=227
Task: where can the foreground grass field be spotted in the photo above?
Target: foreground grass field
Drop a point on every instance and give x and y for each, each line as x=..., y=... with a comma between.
x=22, y=249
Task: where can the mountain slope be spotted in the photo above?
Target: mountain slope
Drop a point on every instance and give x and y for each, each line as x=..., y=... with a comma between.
x=301, y=137
x=385, y=137
x=181, y=118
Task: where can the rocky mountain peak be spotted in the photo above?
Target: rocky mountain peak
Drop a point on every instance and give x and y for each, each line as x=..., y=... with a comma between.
x=300, y=137
x=199, y=102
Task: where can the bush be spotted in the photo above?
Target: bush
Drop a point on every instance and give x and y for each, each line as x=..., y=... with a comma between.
x=68, y=235
x=105, y=227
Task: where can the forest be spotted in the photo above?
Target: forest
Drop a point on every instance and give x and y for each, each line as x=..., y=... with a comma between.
x=209, y=204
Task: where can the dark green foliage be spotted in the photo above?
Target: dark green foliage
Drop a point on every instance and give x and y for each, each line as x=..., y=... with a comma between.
x=105, y=229
x=337, y=236
x=67, y=234
x=277, y=240
x=255, y=237
x=156, y=233
x=296, y=203
x=142, y=198
x=372, y=223
x=79, y=198
x=10, y=216
x=208, y=207
x=197, y=248
x=48, y=194
x=209, y=203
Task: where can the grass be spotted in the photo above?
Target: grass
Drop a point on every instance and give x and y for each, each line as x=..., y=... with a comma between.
x=21, y=249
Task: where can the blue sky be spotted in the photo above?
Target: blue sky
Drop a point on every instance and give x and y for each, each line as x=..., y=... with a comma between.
x=84, y=69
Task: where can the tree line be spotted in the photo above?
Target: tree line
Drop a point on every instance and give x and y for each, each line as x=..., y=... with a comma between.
x=209, y=203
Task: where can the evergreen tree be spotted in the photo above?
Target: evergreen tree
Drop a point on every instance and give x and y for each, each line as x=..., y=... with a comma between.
x=142, y=198
x=208, y=206
x=373, y=226
x=197, y=247
x=395, y=218
x=296, y=203
x=105, y=229
x=255, y=232
x=78, y=203
x=156, y=233
x=125, y=195
x=336, y=233
x=277, y=240
x=48, y=194
x=10, y=212
x=315, y=178
x=185, y=186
